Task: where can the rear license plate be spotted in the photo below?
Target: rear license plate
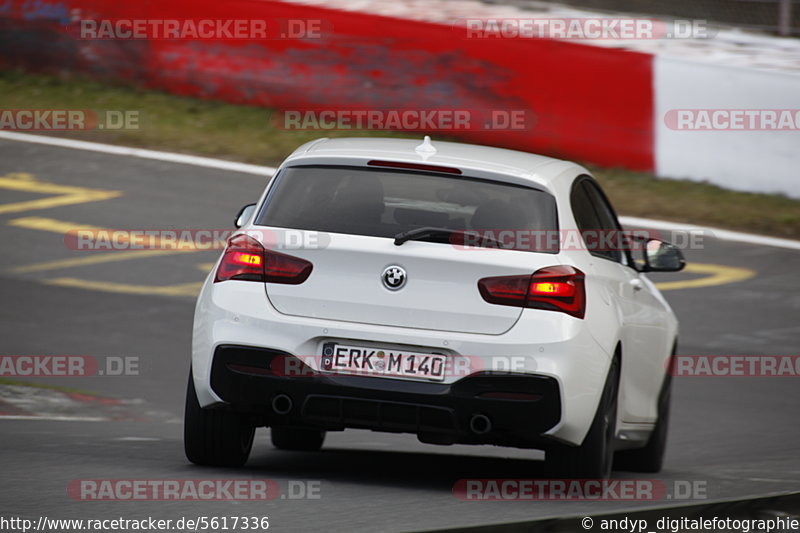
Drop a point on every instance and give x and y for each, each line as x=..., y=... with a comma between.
x=378, y=362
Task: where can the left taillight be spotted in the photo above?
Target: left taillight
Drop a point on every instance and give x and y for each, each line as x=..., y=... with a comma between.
x=245, y=259
x=555, y=288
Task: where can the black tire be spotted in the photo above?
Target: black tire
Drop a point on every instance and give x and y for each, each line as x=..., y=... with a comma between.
x=215, y=437
x=651, y=457
x=297, y=439
x=594, y=458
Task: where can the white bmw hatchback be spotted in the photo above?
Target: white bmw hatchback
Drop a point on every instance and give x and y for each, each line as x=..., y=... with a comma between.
x=462, y=293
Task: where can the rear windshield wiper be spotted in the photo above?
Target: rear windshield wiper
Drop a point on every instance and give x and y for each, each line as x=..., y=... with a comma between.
x=429, y=231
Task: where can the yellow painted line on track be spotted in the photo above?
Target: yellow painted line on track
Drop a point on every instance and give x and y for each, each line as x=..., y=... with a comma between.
x=95, y=260
x=716, y=275
x=106, y=238
x=50, y=224
x=63, y=227
x=63, y=194
x=184, y=289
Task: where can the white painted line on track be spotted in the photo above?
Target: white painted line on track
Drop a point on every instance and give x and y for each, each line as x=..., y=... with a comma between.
x=142, y=153
x=718, y=233
x=55, y=418
x=209, y=162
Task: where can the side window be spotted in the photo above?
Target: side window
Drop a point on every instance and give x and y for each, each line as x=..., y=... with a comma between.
x=585, y=215
x=594, y=215
x=608, y=220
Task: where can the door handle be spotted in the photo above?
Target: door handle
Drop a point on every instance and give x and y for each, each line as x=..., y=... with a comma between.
x=637, y=284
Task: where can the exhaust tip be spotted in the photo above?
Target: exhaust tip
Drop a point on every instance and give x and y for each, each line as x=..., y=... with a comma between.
x=480, y=424
x=281, y=404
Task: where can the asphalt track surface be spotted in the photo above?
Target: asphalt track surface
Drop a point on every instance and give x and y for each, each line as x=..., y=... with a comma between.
x=738, y=437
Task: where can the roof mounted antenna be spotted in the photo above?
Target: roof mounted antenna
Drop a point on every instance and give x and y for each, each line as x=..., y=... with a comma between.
x=426, y=148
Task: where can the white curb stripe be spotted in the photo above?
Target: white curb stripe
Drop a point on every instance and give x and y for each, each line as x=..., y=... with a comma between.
x=208, y=162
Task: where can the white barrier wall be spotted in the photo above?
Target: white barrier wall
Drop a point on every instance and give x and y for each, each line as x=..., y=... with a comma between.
x=761, y=161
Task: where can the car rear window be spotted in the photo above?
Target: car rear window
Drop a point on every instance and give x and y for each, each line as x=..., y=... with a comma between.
x=384, y=203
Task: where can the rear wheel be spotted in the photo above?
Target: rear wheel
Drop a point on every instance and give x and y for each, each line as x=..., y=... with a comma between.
x=595, y=456
x=651, y=457
x=215, y=437
x=297, y=439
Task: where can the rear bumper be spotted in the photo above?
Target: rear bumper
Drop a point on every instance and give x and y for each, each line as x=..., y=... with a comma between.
x=542, y=344
x=437, y=413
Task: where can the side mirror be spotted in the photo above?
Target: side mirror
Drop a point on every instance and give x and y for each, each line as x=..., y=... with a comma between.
x=660, y=256
x=244, y=215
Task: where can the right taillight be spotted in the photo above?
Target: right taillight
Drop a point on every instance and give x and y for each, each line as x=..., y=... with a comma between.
x=245, y=259
x=555, y=288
